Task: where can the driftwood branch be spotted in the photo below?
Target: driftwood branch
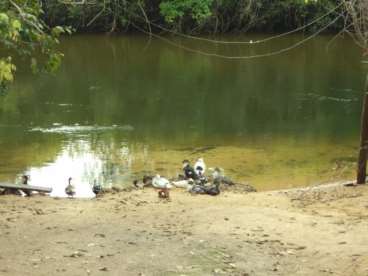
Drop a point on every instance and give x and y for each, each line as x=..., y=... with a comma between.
x=97, y=15
x=82, y=2
x=146, y=18
x=357, y=14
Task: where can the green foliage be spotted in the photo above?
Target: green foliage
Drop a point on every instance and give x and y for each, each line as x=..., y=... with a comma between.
x=289, y=14
x=24, y=33
x=201, y=16
x=100, y=16
x=196, y=9
x=7, y=69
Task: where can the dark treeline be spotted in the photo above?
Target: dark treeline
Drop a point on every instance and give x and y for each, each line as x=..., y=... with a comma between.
x=190, y=16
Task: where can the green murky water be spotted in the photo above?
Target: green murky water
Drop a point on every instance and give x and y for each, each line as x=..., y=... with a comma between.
x=121, y=105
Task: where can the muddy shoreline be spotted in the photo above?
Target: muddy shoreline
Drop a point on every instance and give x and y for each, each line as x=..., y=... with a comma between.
x=307, y=231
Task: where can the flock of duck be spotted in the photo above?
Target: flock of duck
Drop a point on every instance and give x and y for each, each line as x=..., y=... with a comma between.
x=193, y=179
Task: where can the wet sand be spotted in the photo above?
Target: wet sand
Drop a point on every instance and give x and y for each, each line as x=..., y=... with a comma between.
x=320, y=231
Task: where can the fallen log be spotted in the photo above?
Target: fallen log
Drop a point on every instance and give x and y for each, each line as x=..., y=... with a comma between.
x=25, y=187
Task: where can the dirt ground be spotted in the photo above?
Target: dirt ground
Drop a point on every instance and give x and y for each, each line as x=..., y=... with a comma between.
x=314, y=231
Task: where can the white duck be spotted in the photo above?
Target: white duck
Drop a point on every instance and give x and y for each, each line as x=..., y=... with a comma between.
x=183, y=183
x=200, y=167
x=161, y=182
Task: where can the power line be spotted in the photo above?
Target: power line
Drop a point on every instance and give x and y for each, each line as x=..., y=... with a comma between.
x=243, y=42
x=269, y=54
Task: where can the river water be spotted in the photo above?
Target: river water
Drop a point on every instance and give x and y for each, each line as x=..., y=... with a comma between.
x=123, y=106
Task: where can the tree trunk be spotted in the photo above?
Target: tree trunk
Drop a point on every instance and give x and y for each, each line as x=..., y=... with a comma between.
x=363, y=152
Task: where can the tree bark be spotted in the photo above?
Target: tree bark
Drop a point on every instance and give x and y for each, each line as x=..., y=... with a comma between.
x=363, y=151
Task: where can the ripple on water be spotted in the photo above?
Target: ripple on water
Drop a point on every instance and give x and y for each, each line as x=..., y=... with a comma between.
x=65, y=129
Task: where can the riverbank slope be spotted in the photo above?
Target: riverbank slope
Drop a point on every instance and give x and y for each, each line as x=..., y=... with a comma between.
x=319, y=231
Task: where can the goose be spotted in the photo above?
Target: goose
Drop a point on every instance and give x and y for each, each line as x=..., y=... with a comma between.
x=25, y=179
x=70, y=189
x=200, y=167
x=97, y=188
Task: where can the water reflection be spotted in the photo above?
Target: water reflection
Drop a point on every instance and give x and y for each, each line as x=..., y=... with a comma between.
x=82, y=165
x=113, y=112
x=110, y=158
x=86, y=158
x=57, y=128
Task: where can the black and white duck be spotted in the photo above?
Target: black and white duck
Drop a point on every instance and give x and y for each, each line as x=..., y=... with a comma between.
x=200, y=167
x=189, y=172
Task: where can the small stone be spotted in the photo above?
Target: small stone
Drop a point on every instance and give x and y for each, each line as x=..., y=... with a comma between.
x=290, y=252
x=39, y=212
x=75, y=254
x=217, y=271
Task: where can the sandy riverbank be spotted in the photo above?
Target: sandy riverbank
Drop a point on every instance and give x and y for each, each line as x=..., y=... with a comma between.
x=320, y=231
